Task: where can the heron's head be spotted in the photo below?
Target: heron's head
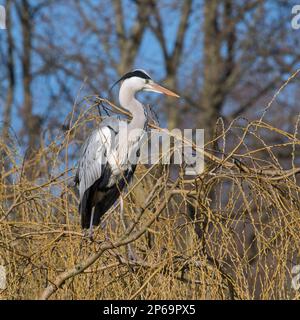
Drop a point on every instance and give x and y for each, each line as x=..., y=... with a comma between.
x=139, y=80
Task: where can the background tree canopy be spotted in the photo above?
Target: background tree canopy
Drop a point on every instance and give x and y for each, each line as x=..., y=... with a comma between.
x=225, y=58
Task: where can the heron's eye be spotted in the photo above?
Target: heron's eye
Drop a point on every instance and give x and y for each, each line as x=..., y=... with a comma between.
x=147, y=81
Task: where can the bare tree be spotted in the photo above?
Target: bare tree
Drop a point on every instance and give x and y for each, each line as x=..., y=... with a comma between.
x=240, y=39
x=172, y=60
x=10, y=73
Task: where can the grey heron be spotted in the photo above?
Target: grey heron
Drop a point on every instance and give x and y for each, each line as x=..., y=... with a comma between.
x=100, y=178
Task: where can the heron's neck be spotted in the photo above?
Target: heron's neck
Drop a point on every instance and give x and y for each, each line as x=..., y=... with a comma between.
x=130, y=103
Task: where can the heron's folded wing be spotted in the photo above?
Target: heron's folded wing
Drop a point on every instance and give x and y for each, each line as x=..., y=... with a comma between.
x=93, y=160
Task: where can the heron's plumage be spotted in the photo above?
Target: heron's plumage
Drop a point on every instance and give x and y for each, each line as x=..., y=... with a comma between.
x=104, y=169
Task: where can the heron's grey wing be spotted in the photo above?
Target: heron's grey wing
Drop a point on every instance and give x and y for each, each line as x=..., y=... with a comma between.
x=93, y=159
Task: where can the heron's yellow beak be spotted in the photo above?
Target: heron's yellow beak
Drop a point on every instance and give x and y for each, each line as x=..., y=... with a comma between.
x=154, y=87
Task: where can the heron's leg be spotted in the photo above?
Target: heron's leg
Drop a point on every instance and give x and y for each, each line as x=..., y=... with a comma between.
x=91, y=224
x=83, y=240
x=131, y=255
x=81, y=243
x=122, y=213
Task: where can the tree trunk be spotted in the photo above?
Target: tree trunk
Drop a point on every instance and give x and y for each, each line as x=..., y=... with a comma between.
x=26, y=68
x=10, y=73
x=212, y=98
x=4, y=134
